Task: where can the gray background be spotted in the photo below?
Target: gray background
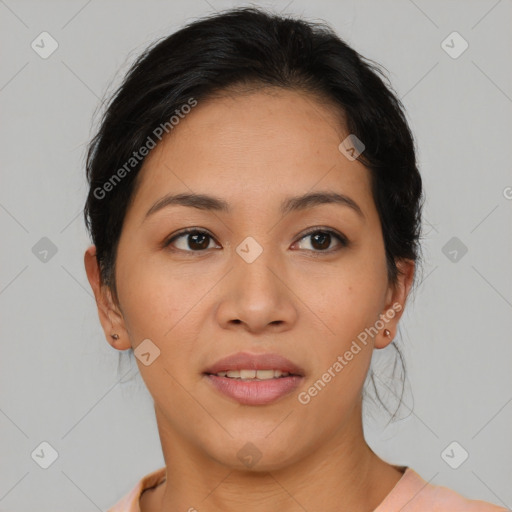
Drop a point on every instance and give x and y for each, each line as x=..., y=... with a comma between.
x=58, y=376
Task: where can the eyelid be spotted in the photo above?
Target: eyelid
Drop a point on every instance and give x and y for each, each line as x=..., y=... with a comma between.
x=184, y=232
x=342, y=239
x=323, y=229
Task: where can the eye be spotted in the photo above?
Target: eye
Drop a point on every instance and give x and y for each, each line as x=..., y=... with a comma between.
x=321, y=239
x=198, y=240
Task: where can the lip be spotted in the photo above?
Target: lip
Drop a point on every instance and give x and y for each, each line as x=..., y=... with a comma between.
x=256, y=392
x=260, y=392
x=246, y=361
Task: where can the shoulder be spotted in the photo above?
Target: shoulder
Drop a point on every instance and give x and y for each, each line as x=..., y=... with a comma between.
x=442, y=499
x=130, y=502
x=413, y=494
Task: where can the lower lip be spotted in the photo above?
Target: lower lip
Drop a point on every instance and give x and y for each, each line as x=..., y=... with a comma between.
x=257, y=392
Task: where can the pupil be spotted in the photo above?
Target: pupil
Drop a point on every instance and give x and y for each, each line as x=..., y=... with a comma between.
x=323, y=237
x=320, y=239
x=203, y=245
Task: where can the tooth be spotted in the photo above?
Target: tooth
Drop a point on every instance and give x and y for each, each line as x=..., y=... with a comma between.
x=246, y=374
x=265, y=374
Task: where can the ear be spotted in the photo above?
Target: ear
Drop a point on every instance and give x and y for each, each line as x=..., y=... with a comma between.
x=110, y=316
x=396, y=298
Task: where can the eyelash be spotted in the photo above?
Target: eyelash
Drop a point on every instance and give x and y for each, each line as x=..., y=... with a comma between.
x=344, y=242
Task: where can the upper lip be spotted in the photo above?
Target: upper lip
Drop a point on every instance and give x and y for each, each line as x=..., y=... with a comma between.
x=246, y=361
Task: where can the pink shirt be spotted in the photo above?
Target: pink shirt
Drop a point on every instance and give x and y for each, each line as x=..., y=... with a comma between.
x=411, y=494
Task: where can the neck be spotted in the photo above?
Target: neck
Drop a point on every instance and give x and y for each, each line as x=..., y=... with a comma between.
x=341, y=474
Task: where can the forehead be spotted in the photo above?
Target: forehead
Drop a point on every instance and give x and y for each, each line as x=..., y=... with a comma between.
x=250, y=148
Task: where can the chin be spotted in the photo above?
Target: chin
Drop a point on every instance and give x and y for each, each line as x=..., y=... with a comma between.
x=255, y=454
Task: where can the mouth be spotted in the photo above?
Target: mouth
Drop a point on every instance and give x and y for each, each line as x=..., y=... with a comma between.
x=254, y=379
x=253, y=375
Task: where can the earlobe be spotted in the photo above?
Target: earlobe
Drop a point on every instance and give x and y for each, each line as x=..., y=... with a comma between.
x=395, y=303
x=384, y=337
x=115, y=331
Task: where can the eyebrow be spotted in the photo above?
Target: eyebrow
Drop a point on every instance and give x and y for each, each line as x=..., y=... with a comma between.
x=290, y=204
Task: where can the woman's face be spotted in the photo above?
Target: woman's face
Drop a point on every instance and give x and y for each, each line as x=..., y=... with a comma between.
x=255, y=282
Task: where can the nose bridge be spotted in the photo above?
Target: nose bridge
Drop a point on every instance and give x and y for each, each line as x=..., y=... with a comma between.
x=256, y=293
x=256, y=258
x=258, y=287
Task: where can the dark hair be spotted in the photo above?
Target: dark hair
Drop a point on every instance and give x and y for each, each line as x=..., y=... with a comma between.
x=230, y=51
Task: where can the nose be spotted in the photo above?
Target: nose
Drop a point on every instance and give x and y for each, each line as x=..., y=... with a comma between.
x=257, y=296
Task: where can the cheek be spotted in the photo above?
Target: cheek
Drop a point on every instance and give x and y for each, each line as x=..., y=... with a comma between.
x=150, y=306
x=164, y=303
x=161, y=310
x=347, y=298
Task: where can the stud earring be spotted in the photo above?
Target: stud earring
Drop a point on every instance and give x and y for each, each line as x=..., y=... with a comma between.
x=115, y=336
x=386, y=332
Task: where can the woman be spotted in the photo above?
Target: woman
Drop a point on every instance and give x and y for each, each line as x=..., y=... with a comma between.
x=255, y=208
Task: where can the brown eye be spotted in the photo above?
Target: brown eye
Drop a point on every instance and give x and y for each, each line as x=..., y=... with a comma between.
x=321, y=240
x=196, y=240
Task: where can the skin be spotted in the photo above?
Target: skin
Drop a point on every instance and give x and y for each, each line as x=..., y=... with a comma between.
x=253, y=150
